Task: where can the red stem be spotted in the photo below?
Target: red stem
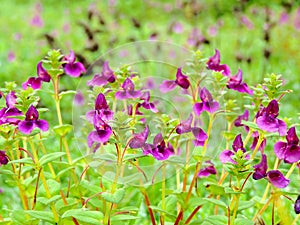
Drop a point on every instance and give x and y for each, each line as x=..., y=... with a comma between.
x=193, y=214
x=149, y=208
x=179, y=217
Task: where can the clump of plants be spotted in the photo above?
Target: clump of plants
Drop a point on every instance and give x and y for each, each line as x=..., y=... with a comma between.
x=199, y=146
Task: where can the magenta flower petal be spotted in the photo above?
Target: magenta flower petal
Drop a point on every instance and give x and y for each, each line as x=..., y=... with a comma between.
x=182, y=80
x=292, y=154
x=199, y=134
x=297, y=205
x=42, y=73
x=238, y=143
x=208, y=103
x=26, y=126
x=235, y=83
x=210, y=169
x=34, y=82
x=167, y=85
x=226, y=157
x=74, y=69
x=3, y=158
x=280, y=149
x=213, y=63
x=185, y=125
x=276, y=178
x=139, y=140
x=261, y=168
x=42, y=124
x=128, y=91
x=107, y=75
x=31, y=121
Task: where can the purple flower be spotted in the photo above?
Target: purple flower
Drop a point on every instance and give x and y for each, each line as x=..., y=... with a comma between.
x=32, y=121
x=276, y=178
x=79, y=98
x=261, y=168
x=235, y=83
x=255, y=140
x=267, y=119
x=36, y=82
x=181, y=80
x=185, y=125
x=3, y=158
x=297, y=205
x=106, y=76
x=37, y=21
x=158, y=149
x=139, y=139
x=240, y=118
x=72, y=68
x=102, y=132
x=226, y=155
x=200, y=136
x=208, y=170
x=288, y=151
x=146, y=104
x=207, y=104
x=213, y=63
x=245, y=20
x=7, y=113
x=128, y=91
x=101, y=109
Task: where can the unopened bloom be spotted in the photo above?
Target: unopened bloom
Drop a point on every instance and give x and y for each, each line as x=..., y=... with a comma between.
x=36, y=82
x=207, y=103
x=267, y=119
x=101, y=109
x=260, y=170
x=159, y=149
x=181, y=80
x=72, y=68
x=208, y=170
x=128, y=91
x=32, y=121
x=139, y=139
x=288, y=151
x=236, y=83
x=106, y=76
x=3, y=158
x=213, y=63
x=297, y=205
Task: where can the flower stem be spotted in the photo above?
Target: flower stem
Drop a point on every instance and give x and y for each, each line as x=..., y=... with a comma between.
x=163, y=195
x=291, y=170
x=260, y=140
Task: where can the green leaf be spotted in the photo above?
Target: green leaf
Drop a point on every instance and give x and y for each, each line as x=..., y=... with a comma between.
x=115, y=197
x=243, y=221
x=42, y=215
x=155, y=208
x=216, y=220
x=123, y=217
x=50, y=157
x=216, y=202
x=62, y=130
x=85, y=216
x=245, y=205
x=250, y=124
x=215, y=189
x=27, y=160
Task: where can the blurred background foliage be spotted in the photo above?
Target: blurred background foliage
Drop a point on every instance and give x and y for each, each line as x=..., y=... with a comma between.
x=259, y=37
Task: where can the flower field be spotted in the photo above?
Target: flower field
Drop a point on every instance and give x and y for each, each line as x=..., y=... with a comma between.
x=149, y=112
